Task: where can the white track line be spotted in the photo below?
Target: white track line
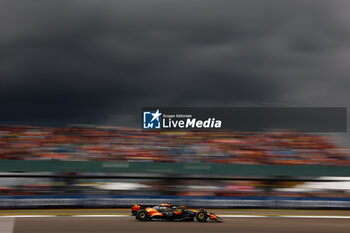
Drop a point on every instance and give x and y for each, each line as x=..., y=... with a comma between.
x=315, y=216
x=284, y=216
x=91, y=215
x=27, y=216
x=242, y=216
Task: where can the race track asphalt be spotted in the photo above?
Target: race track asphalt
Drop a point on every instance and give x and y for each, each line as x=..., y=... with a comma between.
x=129, y=225
x=119, y=220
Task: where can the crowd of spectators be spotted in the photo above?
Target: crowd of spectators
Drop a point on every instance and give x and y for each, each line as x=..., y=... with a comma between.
x=87, y=143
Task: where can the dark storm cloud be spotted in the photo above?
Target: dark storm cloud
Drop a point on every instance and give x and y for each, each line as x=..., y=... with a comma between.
x=101, y=61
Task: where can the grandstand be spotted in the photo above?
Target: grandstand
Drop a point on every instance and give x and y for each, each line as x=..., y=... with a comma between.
x=78, y=143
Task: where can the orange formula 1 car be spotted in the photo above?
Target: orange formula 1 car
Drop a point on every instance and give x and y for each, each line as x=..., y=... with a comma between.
x=168, y=212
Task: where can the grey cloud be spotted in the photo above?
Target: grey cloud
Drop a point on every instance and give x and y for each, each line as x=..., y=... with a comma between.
x=95, y=61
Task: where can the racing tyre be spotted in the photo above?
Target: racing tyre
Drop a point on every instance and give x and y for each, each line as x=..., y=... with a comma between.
x=201, y=216
x=142, y=215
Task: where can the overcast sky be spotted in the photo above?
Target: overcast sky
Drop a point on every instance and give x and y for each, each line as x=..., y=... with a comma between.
x=98, y=61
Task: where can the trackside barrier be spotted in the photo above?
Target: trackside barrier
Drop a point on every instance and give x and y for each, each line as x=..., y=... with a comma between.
x=195, y=202
x=172, y=168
